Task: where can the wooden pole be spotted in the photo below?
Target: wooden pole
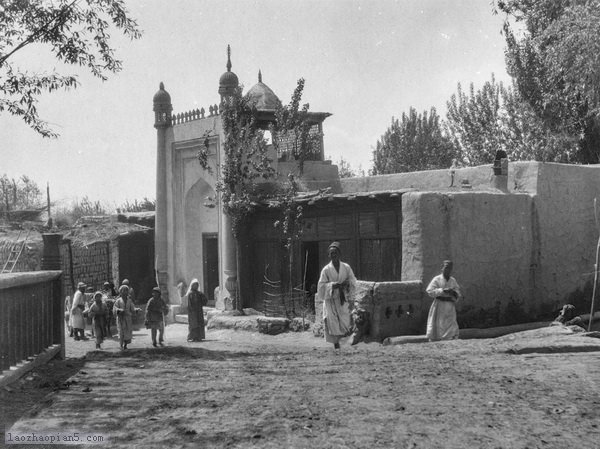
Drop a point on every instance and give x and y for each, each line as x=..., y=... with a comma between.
x=595, y=265
x=48, y=199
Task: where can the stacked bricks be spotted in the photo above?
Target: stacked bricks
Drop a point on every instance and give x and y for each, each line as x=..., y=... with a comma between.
x=286, y=142
x=91, y=264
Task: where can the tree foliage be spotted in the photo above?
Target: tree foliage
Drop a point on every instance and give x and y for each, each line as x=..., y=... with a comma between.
x=473, y=121
x=525, y=137
x=496, y=117
x=19, y=194
x=412, y=143
x=553, y=52
x=291, y=129
x=345, y=169
x=77, y=32
x=246, y=159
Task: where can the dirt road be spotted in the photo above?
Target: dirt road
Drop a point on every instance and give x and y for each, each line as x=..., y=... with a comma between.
x=242, y=389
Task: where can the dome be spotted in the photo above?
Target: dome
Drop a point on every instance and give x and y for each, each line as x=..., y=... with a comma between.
x=262, y=97
x=229, y=80
x=162, y=96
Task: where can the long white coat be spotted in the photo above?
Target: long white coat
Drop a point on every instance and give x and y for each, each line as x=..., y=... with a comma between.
x=77, y=319
x=336, y=316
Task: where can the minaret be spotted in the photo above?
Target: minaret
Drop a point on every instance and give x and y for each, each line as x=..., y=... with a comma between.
x=162, y=122
x=228, y=83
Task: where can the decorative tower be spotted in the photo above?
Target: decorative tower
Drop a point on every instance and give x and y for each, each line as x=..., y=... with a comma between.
x=228, y=83
x=162, y=122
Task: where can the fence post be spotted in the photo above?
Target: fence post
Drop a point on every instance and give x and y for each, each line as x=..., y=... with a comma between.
x=4, y=334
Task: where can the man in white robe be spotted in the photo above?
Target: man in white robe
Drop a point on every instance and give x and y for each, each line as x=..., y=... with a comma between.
x=77, y=308
x=441, y=322
x=335, y=289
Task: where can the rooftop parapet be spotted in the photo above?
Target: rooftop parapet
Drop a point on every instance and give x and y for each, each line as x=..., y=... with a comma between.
x=195, y=114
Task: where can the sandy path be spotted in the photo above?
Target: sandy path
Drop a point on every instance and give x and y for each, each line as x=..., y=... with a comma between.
x=241, y=389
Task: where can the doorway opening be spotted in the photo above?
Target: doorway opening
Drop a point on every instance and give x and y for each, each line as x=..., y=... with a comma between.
x=210, y=250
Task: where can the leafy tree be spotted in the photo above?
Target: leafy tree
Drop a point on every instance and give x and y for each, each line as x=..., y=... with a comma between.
x=474, y=122
x=555, y=58
x=21, y=193
x=496, y=117
x=291, y=129
x=345, y=170
x=77, y=32
x=247, y=159
x=143, y=205
x=413, y=142
x=526, y=137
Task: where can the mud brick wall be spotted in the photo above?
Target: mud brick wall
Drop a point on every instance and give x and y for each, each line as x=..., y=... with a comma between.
x=90, y=264
x=395, y=308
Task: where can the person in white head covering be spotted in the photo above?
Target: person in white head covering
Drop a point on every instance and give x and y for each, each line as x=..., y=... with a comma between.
x=196, y=300
x=336, y=287
x=124, y=310
x=441, y=322
x=77, y=308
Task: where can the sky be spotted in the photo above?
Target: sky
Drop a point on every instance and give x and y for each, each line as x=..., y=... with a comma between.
x=363, y=61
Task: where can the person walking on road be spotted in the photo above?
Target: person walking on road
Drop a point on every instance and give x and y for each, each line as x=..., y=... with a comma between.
x=335, y=289
x=124, y=310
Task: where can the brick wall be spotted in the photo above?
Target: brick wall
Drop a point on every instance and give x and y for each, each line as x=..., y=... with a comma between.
x=286, y=144
x=90, y=264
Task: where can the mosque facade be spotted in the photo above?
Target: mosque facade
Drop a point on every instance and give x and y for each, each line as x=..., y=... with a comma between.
x=522, y=239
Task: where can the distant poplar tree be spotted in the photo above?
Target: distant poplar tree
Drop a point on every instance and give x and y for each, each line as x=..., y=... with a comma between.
x=413, y=142
x=474, y=123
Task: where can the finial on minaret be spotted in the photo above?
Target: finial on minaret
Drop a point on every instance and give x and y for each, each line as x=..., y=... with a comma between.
x=259, y=76
x=228, y=58
x=228, y=82
x=162, y=107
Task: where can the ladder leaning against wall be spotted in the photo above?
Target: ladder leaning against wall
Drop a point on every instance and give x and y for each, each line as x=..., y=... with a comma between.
x=15, y=252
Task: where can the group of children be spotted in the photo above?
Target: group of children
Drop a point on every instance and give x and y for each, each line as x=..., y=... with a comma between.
x=102, y=307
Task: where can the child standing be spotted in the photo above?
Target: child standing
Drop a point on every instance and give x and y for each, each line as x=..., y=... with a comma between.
x=156, y=309
x=98, y=312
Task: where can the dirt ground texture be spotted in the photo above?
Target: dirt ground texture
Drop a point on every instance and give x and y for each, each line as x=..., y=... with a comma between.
x=242, y=389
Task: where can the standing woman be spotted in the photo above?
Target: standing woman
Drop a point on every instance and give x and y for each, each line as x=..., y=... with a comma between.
x=124, y=310
x=336, y=286
x=196, y=300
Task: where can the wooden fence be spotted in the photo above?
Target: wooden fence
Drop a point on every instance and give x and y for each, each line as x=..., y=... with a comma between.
x=31, y=317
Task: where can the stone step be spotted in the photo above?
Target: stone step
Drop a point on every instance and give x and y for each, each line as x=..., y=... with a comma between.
x=183, y=317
